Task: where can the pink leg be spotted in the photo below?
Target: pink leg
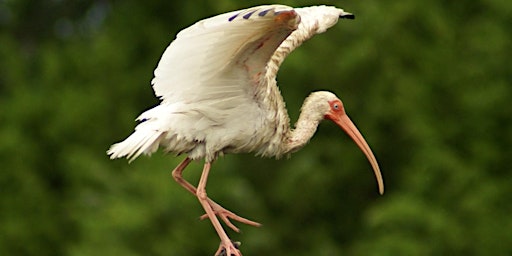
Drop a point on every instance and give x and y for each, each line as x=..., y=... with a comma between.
x=225, y=243
x=223, y=214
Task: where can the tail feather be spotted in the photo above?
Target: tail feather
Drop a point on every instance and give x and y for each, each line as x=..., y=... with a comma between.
x=141, y=141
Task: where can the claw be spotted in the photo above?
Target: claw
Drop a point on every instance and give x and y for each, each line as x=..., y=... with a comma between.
x=222, y=250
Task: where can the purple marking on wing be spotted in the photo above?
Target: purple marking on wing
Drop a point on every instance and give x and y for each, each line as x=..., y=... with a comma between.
x=247, y=16
x=263, y=13
x=233, y=17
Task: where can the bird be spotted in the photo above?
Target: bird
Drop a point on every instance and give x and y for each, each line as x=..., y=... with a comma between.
x=216, y=82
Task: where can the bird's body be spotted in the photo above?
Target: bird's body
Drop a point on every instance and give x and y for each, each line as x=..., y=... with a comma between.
x=217, y=83
x=233, y=105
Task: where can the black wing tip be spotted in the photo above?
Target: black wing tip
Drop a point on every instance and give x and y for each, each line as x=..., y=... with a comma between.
x=347, y=15
x=248, y=15
x=259, y=12
x=233, y=17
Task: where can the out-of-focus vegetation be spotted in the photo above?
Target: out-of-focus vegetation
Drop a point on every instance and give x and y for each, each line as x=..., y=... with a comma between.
x=429, y=84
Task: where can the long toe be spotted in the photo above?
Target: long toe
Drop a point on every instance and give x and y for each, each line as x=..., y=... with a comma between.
x=225, y=215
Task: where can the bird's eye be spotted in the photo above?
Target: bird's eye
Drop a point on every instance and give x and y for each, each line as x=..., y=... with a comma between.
x=336, y=106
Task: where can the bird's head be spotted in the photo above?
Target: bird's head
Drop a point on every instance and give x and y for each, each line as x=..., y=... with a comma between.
x=331, y=107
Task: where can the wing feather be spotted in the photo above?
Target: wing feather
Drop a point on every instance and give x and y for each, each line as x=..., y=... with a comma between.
x=208, y=60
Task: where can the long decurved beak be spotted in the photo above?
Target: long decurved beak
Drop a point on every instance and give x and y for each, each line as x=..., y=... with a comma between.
x=348, y=126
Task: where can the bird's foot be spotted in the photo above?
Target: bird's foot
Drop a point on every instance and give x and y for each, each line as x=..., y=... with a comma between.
x=225, y=215
x=229, y=250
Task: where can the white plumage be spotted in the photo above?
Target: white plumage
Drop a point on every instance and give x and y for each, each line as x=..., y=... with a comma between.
x=207, y=79
x=218, y=92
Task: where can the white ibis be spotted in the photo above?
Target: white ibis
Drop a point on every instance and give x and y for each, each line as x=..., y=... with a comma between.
x=217, y=85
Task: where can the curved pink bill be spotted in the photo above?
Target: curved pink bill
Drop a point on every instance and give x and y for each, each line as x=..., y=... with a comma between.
x=346, y=124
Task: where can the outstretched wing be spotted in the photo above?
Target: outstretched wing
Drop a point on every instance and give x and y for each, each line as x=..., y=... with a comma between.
x=217, y=59
x=314, y=20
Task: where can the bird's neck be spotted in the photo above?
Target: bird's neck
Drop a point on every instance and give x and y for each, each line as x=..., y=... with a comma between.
x=305, y=128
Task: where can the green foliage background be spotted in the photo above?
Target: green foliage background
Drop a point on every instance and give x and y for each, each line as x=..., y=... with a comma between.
x=427, y=82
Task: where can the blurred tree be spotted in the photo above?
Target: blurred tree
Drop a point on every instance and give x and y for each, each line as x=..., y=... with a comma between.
x=427, y=82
